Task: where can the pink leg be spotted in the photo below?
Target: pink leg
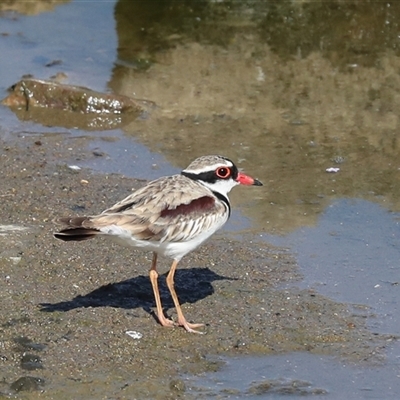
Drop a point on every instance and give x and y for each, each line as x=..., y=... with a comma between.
x=153, y=279
x=181, y=319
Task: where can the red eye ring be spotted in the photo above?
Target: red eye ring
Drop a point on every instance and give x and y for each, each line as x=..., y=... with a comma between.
x=223, y=172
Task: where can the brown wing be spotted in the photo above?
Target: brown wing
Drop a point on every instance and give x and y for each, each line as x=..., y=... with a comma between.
x=167, y=192
x=172, y=208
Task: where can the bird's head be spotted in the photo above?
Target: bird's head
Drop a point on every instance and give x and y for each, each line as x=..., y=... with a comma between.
x=218, y=173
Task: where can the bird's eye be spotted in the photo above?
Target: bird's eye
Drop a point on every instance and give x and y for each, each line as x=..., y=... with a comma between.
x=223, y=172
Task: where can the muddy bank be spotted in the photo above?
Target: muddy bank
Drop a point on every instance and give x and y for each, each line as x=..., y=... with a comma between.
x=66, y=308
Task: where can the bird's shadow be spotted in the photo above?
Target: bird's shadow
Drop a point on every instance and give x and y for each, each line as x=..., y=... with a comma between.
x=191, y=285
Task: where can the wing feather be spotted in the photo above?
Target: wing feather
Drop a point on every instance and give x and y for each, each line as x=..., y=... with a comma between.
x=171, y=209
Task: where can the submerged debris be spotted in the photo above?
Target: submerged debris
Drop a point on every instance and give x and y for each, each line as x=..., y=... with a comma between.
x=31, y=362
x=285, y=387
x=27, y=384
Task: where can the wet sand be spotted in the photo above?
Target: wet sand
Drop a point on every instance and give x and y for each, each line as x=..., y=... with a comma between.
x=66, y=307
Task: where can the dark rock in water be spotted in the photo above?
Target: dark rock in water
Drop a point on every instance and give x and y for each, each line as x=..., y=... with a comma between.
x=31, y=362
x=27, y=384
x=40, y=93
x=283, y=387
x=24, y=343
x=51, y=104
x=177, y=385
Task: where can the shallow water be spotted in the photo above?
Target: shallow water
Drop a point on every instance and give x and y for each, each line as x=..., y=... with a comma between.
x=287, y=100
x=298, y=375
x=352, y=255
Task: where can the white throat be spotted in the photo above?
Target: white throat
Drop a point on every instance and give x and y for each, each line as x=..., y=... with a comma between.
x=221, y=186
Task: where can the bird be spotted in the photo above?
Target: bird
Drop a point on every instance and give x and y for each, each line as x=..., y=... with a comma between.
x=170, y=216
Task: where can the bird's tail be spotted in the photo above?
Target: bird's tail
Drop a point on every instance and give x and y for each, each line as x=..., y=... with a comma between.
x=77, y=229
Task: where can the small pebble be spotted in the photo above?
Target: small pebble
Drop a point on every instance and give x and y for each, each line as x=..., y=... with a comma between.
x=134, y=334
x=15, y=260
x=332, y=170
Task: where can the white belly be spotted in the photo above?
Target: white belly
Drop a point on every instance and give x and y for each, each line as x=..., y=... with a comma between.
x=174, y=250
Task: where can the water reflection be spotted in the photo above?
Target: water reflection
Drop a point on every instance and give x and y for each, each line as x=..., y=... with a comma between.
x=344, y=32
x=288, y=89
x=285, y=89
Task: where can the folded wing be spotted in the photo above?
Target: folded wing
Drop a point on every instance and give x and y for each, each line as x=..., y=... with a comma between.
x=160, y=211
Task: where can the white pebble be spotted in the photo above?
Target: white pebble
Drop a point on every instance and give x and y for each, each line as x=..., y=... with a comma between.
x=134, y=334
x=332, y=170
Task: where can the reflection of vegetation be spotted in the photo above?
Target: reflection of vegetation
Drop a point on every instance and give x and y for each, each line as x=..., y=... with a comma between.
x=146, y=27
x=30, y=7
x=288, y=89
x=345, y=32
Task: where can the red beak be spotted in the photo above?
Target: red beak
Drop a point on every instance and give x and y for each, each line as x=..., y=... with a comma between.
x=244, y=179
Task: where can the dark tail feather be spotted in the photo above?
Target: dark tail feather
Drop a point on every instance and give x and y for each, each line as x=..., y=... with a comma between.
x=74, y=230
x=76, y=234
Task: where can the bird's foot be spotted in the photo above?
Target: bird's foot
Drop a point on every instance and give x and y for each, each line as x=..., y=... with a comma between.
x=190, y=327
x=181, y=322
x=165, y=321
